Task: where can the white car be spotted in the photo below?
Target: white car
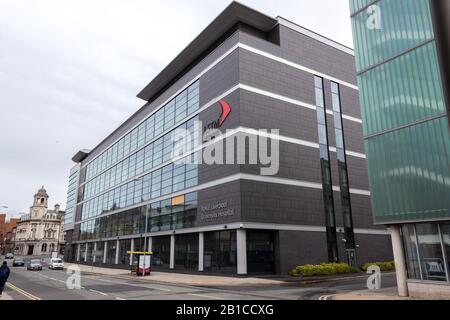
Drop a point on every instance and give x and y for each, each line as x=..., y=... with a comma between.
x=56, y=264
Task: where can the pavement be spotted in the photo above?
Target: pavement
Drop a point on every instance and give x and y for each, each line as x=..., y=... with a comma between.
x=180, y=278
x=5, y=296
x=384, y=294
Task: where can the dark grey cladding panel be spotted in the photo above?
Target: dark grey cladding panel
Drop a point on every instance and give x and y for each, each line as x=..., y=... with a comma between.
x=266, y=74
x=261, y=112
x=228, y=194
x=297, y=162
x=208, y=173
x=353, y=135
x=149, y=108
x=373, y=248
x=283, y=204
x=219, y=79
x=298, y=248
x=305, y=51
x=350, y=102
x=362, y=211
x=357, y=173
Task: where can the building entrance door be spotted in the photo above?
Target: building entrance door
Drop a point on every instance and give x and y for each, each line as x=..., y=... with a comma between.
x=30, y=250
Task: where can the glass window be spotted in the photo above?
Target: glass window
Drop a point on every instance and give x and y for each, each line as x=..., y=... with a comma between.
x=111, y=252
x=220, y=251
x=159, y=122
x=445, y=231
x=161, y=252
x=149, y=128
x=166, y=179
x=124, y=246
x=430, y=251
x=169, y=115
x=411, y=252
x=156, y=183
x=260, y=251
x=186, y=251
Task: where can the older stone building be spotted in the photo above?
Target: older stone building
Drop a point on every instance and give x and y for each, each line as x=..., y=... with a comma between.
x=41, y=231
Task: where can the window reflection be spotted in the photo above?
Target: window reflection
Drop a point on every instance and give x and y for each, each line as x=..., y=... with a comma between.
x=430, y=251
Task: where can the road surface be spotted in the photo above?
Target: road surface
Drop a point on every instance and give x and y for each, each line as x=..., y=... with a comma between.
x=51, y=285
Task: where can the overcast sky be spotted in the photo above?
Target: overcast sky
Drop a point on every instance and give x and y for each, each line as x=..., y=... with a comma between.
x=70, y=71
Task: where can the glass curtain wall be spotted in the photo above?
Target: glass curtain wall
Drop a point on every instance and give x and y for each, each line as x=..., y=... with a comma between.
x=260, y=251
x=220, y=253
x=426, y=250
x=161, y=252
x=186, y=251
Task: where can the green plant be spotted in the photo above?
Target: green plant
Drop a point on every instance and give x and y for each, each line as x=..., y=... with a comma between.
x=321, y=269
x=384, y=266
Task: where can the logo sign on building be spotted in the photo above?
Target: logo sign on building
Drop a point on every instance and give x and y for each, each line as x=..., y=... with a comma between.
x=226, y=110
x=215, y=211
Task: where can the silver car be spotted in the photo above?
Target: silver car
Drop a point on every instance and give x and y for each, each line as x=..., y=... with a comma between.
x=34, y=265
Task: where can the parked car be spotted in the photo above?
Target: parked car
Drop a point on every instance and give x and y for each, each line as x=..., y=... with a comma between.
x=56, y=264
x=34, y=265
x=18, y=262
x=9, y=256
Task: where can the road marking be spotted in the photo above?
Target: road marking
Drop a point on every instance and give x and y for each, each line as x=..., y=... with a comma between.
x=324, y=297
x=129, y=284
x=50, y=278
x=21, y=291
x=205, y=296
x=119, y=298
x=99, y=292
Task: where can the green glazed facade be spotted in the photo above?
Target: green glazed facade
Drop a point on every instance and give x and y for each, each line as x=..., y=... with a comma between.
x=405, y=122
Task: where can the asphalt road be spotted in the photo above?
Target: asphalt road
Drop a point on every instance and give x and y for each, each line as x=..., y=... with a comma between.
x=51, y=285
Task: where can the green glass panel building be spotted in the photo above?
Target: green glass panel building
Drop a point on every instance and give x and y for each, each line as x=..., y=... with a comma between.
x=404, y=110
x=401, y=51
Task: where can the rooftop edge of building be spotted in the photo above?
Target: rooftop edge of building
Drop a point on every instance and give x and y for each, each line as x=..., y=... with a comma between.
x=235, y=13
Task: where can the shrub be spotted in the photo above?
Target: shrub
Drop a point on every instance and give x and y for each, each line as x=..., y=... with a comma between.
x=321, y=269
x=384, y=266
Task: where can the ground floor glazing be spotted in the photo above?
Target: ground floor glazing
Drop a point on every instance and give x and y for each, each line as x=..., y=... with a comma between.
x=238, y=251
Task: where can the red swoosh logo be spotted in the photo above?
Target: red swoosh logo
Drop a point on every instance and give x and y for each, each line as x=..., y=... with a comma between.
x=226, y=110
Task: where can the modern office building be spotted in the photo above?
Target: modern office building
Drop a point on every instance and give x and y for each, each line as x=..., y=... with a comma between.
x=246, y=71
x=402, y=49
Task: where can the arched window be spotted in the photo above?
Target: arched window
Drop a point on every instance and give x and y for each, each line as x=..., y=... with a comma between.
x=52, y=247
x=44, y=247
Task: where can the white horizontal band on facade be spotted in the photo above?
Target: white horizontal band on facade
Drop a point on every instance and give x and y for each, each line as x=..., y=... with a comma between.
x=227, y=134
x=238, y=225
x=291, y=101
x=296, y=66
x=228, y=179
x=222, y=96
x=216, y=62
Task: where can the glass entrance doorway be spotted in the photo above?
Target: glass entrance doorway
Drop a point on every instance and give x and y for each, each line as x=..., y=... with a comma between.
x=260, y=251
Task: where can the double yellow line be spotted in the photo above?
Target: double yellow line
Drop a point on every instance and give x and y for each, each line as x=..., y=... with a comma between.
x=26, y=294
